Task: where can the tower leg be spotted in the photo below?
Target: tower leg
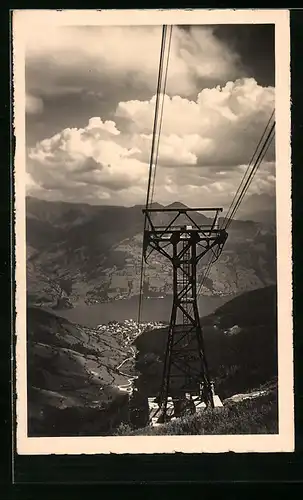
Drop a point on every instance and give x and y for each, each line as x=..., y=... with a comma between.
x=185, y=346
x=185, y=371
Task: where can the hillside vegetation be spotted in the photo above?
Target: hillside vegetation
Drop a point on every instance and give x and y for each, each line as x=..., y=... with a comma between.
x=240, y=341
x=250, y=416
x=73, y=377
x=74, y=380
x=94, y=245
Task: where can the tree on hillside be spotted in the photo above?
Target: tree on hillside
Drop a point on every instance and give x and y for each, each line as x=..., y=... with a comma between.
x=66, y=286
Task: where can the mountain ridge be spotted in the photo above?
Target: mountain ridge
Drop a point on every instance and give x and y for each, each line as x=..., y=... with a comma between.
x=93, y=246
x=74, y=372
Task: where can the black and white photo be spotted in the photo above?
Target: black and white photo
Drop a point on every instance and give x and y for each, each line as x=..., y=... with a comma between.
x=153, y=223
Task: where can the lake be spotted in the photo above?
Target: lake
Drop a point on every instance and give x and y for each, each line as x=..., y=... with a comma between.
x=119, y=310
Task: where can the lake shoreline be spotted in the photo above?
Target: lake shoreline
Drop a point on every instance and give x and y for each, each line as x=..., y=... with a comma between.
x=155, y=309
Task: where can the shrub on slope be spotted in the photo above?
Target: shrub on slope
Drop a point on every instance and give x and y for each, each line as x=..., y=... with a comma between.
x=71, y=378
x=239, y=358
x=255, y=416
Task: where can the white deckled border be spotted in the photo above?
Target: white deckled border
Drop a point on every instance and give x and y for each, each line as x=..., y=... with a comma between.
x=34, y=19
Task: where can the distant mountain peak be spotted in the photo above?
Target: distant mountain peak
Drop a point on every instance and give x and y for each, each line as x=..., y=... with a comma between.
x=152, y=205
x=156, y=205
x=176, y=204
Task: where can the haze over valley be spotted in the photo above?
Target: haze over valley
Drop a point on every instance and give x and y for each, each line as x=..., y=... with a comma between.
x=81, y=254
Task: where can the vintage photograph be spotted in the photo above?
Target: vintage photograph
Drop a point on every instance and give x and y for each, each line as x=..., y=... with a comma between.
x=151, y=227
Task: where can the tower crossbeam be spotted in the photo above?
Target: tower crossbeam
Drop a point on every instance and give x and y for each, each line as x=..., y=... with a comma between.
x=184, y=237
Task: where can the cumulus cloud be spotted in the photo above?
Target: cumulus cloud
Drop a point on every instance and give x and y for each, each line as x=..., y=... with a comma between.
x=31, y=185
x=93, y=87
x=98, y=58
x=86, y=156
x=219, y=128
x=205, y=146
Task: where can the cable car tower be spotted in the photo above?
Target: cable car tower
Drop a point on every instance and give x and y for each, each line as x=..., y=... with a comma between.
x=184, y=242
x=184, y=236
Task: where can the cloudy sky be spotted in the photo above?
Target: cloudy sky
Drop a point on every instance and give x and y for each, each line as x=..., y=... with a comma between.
x=90, y=101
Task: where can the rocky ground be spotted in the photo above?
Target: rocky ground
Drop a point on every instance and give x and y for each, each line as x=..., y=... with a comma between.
x=75, y=371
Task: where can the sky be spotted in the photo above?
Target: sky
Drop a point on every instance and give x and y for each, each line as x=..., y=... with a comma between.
x=90, y=102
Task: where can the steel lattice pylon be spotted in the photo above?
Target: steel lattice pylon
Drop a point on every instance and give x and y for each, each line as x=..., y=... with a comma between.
x=184, y=236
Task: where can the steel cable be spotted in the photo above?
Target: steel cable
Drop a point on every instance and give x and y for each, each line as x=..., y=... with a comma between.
x=158, y=95
x=233, y=210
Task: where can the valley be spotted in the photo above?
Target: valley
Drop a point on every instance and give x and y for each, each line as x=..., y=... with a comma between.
x=91, y=367
x=96, y=250
x=81, y=379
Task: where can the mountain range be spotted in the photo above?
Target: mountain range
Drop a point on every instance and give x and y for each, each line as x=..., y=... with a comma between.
x=76, y=374
x=72, y=375
x=97, y=249
x=240, y=341
x=80, y=253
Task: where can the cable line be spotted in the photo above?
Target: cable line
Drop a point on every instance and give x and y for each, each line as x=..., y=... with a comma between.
x=151, y=178
x=161, y=115
x=250, y=172
x=238, y=198
x=248, y=167
x=258, y=162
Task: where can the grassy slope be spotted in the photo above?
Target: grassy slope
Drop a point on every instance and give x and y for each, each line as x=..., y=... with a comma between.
x=237, y=362
x=71, y=377
x=256, y=416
